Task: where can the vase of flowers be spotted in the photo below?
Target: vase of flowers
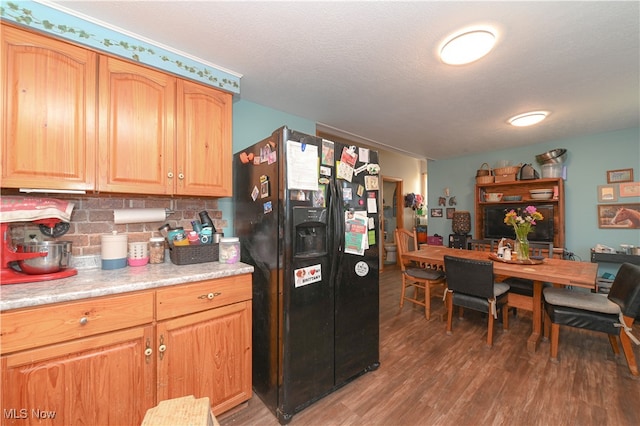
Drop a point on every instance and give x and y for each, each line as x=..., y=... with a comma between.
x=522, y=221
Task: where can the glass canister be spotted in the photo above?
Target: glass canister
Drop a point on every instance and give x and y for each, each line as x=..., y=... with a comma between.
x=229, y=250
x=156, y=250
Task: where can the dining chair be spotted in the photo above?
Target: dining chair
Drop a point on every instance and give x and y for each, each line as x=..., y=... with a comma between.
x=471, y=284
x=421, y=279
x=521, y=289
x=612, y=313
x=487, y=245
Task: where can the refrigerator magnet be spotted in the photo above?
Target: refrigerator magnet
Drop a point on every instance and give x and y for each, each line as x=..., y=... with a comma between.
x=363, y=154
x=347, y=194
x=371, y=183
x=273, y=157
x=264, y=189
x=255, y=193
x=264, y=153
x=325, y=171
x=372, y=237
x=308, y=275
x=360, y=169
x=372, y=205
x=361, y=269
x=373, y=169
x=327, y=152
x=267, y=207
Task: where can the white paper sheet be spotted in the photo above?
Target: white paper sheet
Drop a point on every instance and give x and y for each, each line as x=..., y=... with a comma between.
x=302, y=166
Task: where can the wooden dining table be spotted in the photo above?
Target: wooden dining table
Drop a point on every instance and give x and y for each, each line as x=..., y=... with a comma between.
x=556, y=271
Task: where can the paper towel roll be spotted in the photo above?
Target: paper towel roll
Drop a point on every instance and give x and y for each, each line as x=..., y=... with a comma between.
x=139, y=215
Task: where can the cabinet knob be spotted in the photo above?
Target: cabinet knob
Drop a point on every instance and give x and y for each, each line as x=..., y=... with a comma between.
x=181, y=176
x=170, y=175
x=148, y=351
x=162, y=347
x=84, y=320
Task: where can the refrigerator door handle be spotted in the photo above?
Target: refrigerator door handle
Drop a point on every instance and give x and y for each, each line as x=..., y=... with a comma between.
x=337, y=220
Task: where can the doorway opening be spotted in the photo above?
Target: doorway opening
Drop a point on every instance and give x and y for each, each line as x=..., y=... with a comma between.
x=390, y=219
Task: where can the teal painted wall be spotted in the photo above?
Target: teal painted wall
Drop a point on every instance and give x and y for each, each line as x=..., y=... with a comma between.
x=251, y=124
x=588, y=159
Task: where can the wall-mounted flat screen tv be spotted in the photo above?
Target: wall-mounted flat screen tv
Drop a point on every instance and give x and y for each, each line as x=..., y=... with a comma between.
x=494, y=226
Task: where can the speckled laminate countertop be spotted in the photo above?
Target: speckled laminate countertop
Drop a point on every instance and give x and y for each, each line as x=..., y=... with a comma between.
x=94, y=282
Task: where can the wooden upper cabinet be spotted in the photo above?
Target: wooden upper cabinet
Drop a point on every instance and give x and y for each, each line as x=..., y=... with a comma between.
x=203, y=150
x=75, y=119
x=136, y=138
x=48, y=112
x=160, y=134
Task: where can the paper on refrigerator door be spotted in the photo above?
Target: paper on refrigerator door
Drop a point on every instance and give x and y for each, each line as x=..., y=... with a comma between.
x=356, y=240
x=302, y=166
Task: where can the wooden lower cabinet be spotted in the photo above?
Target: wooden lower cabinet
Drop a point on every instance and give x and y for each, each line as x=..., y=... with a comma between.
x=197, y=345
x=102, y=380
x=207, y=354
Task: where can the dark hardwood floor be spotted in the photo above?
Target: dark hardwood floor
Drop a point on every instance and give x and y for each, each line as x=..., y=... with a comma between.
x=429, y=378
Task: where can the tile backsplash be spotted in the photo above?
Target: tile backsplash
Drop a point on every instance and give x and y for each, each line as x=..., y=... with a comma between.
x=92, y=217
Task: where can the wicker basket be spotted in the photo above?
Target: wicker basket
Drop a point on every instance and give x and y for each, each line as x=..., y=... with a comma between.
x=484, y=179
x=188, y=255
x=510, y=170
x=482, y=171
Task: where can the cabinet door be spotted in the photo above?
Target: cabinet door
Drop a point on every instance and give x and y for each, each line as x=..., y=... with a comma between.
x=48, y=112
x=207, y=354
x=204, y=141
x=102, y=380
x=136, y=138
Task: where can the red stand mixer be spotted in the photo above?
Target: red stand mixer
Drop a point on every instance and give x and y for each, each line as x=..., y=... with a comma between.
x=23, y=209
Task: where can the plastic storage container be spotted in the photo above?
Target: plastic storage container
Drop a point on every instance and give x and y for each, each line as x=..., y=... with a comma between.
x=114, y=251
x=229, y=250
x=156, y=250
x=138, y=254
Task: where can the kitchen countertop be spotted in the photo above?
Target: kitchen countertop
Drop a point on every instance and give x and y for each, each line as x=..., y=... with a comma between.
x=95, y=282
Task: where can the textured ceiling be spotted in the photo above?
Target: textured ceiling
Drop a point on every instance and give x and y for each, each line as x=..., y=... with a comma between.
x=370, y=69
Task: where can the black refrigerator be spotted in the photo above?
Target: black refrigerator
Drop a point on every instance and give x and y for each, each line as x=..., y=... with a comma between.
x=306, y=213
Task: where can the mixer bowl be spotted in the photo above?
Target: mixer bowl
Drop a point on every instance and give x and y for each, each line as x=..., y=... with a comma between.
x=58, y=257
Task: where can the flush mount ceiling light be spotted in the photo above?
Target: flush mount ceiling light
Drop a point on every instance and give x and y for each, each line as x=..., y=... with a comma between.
x=528, y=118
x=468, y=46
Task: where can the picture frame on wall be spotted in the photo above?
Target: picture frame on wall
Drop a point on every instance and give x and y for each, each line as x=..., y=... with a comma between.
x=436, y=212
x=619, y=216
x=450, y=212
x=621, y=175
x=630, y=189
x=607, y=193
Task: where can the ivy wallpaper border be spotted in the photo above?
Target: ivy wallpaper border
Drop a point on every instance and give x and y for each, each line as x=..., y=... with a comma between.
x=47, y=19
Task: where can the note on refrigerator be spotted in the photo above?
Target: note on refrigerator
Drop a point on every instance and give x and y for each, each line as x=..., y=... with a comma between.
x=302, y=166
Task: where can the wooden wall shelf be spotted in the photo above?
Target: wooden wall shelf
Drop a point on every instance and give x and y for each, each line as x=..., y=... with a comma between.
x=522, y=188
